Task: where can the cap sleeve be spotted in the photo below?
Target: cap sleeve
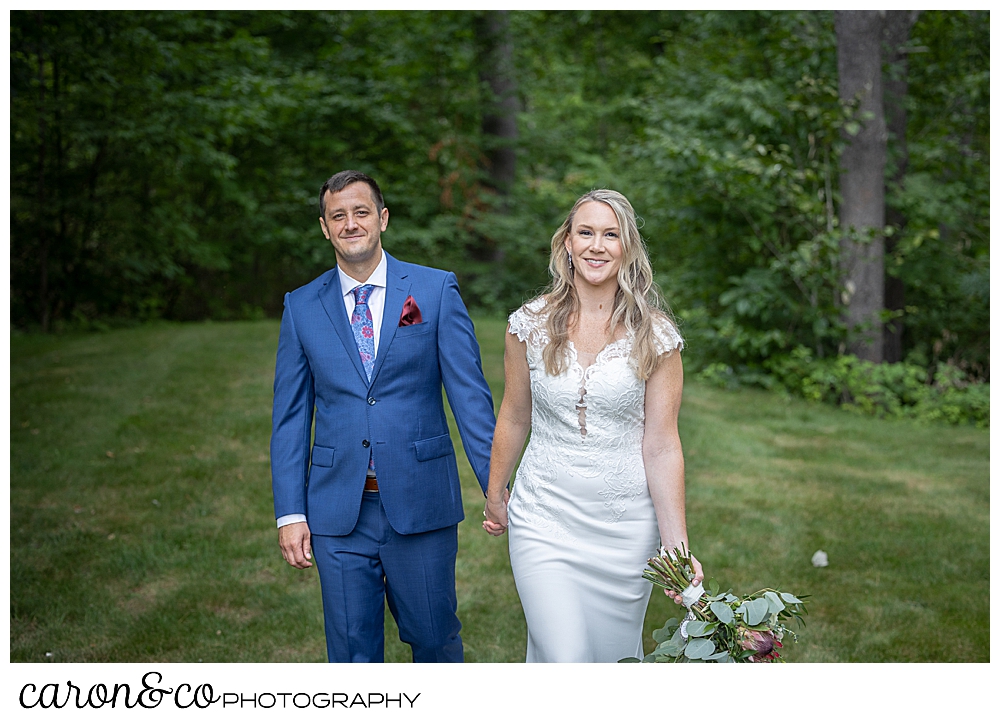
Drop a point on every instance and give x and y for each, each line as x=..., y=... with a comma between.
x=666, y=338
x=528, y=324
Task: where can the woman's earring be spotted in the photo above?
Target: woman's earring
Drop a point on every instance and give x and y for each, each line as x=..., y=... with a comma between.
x=569, y=259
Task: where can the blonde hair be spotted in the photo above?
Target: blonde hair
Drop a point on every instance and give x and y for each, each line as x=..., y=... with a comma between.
x=637, y=302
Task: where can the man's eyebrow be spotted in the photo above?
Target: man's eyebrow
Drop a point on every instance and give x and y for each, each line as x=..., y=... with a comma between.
x=355, y=207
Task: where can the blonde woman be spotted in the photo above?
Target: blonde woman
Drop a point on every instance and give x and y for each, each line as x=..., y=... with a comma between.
x=593, y=370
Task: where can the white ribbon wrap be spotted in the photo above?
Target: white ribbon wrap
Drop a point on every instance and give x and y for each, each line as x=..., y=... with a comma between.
x=691, y=595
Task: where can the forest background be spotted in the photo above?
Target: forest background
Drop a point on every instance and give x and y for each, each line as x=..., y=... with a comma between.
x=165, y=165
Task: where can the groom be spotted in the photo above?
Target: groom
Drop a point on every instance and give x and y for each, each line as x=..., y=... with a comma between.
x=373, y=496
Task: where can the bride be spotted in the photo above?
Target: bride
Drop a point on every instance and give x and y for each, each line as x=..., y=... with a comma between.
x=593, y=369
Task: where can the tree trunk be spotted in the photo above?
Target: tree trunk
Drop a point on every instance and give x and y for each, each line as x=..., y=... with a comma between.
x=897, y=32
x=499, y=125
x=43, y=240
x=862, y=179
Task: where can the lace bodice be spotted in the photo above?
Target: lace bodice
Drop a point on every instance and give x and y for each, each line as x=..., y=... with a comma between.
x=588, y=422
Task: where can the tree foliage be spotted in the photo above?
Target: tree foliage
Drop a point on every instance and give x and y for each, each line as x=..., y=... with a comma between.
x=166, y=164
x=745, y=157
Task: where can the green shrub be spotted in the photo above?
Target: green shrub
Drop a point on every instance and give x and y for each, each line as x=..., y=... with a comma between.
x=882, y=390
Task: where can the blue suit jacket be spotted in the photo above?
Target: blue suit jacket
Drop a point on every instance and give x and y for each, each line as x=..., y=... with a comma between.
x=399, y=417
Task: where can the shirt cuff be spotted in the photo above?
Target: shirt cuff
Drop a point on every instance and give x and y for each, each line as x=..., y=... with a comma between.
x=289, y=519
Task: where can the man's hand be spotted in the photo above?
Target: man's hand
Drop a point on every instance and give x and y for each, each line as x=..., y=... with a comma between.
x=296, y=548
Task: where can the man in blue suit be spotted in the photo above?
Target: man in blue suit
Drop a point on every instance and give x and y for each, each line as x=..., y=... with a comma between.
x=373, y=496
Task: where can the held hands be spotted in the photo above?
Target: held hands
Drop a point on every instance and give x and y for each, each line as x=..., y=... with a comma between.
x=496, y=515
x=295, y=543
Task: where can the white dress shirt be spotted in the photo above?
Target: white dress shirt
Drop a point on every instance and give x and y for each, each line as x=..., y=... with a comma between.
x=376, y=302
x=376, y=305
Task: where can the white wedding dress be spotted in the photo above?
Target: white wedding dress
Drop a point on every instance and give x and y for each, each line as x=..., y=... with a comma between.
x=581, y=521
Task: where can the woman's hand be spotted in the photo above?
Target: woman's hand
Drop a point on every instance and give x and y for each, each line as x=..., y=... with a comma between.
x=513, y=423
x=496, y=515
x=699, y=575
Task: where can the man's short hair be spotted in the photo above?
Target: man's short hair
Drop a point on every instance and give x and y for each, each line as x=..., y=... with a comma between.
x=340, y=181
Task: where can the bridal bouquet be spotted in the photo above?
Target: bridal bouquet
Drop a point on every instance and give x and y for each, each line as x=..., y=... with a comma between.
x=719, y=627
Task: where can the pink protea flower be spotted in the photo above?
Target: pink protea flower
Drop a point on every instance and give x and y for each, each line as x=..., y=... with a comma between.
x=764, y=645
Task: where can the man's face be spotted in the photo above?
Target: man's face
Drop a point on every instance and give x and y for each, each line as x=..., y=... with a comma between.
x=353, y=225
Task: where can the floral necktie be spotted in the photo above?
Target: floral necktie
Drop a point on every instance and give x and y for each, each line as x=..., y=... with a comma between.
x=364, y=335
x=361, y=325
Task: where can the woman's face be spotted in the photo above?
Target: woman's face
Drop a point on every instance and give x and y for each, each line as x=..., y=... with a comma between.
x=594, y=244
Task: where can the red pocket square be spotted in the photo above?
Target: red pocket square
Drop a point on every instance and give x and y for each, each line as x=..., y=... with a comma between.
x=411, y=313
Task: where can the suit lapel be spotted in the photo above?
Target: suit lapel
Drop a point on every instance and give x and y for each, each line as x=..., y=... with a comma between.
x=333, y=304
x=397, y=286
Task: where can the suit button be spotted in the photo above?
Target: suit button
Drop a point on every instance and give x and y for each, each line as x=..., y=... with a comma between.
x=366, y=444
x=371, y=401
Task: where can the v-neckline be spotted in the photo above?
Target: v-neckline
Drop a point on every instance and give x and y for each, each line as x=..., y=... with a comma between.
x=597, y=356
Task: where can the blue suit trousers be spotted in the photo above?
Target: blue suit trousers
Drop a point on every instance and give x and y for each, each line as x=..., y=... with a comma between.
x=374, y=564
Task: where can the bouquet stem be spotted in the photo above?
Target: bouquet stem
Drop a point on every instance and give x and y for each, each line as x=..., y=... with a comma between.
x=673, y=572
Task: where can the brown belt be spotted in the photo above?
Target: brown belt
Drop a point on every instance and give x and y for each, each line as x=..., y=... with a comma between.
x=371, y=484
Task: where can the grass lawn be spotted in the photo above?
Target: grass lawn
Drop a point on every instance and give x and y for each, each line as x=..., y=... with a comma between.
x=142, y=526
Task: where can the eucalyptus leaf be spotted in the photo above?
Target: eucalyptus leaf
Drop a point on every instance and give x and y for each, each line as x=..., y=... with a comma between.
x=789, y=598
x=730, y=598
x=671, y=648
x=774, y=603
x=699, y=628
x=651, y=658
x=668, y=630
x=629, y=660
x=674, y=646
x=713, y=586
x=721, y=657
x=723, y=612
x=756, y=610
x=699, y=648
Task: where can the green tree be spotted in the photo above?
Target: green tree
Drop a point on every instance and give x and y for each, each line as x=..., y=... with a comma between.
x=897, y=26
x=739, y=154
x=165, y=164
x=942, y=254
